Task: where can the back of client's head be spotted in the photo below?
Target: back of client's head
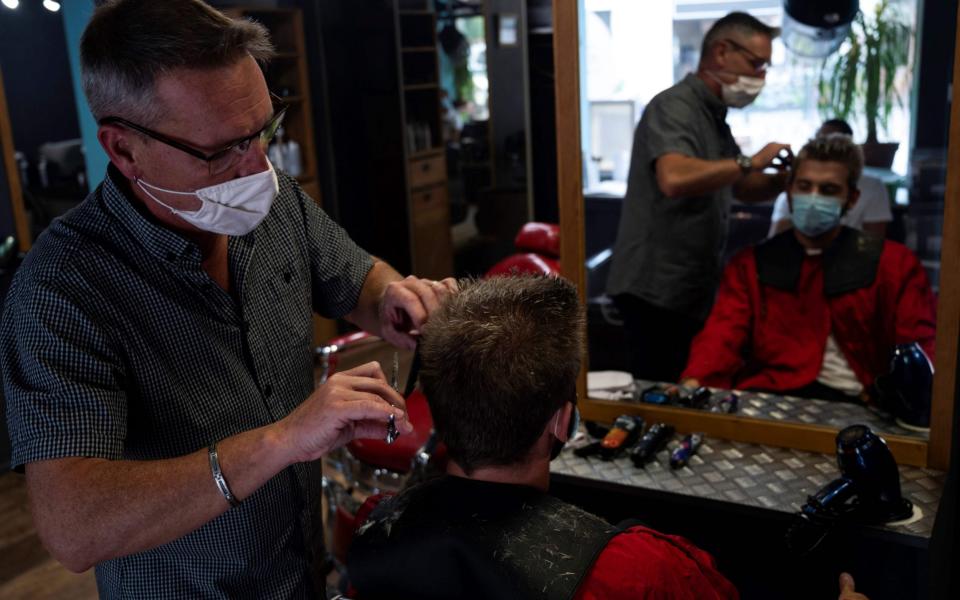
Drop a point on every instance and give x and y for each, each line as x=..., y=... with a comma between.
x=499, y=358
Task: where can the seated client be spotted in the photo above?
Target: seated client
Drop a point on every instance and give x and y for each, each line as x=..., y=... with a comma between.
x=499, y=369
x=817, y=310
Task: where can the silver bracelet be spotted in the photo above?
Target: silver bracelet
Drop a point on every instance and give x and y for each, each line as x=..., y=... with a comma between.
x=218, y=477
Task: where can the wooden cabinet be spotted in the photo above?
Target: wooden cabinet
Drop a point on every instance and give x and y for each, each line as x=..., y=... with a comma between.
x=383, y=94
x=287, y=77
x=430, y=170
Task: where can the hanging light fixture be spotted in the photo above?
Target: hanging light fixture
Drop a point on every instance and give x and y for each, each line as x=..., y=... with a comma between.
x=816, y=28
x=11, y=3
x=51, y=5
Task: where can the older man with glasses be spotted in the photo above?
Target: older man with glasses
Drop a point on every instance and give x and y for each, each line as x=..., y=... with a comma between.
x=685, y=170
x=156, y=342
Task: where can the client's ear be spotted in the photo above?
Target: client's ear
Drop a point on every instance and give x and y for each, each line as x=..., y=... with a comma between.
x=562, y=422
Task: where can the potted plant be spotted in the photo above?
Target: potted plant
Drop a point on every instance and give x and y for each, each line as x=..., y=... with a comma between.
x=861, y=78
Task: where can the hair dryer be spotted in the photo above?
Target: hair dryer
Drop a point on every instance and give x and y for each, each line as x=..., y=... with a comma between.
x=906, y=391
x=867, y=492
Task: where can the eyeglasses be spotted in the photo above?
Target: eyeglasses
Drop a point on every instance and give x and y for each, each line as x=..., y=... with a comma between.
x=224, y=159
x=759, y=64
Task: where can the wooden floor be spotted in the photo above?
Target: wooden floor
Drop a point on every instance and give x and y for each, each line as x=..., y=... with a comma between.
x=26, y=570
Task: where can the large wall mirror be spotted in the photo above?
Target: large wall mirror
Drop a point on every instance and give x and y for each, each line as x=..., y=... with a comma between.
x=620, y=55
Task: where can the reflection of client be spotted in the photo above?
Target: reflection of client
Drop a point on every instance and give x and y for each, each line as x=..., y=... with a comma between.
x=815, y=311
x=870, y=214
x=499, y=371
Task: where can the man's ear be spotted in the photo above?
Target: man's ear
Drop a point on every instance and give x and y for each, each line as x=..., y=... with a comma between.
x=852, y=200
x=561, y=422
x=721, y=55
x=118, y=143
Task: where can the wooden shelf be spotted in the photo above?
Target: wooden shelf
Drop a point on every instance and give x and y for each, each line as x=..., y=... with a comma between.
x=394, y=92
x=289, y=70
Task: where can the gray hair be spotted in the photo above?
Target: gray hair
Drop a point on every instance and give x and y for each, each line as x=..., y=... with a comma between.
x=129, y=43
x=735, y=24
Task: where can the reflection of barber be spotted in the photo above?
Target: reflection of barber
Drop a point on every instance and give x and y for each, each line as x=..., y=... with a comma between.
x=815, y=311
x=684, y=169
x=870, y=214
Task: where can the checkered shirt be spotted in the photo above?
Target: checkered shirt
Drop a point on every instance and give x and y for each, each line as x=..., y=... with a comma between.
x=116, y=344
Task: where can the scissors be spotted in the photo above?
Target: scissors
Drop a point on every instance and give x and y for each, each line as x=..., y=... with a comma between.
x=392, y=432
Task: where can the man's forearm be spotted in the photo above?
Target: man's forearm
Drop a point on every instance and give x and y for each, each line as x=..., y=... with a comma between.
x=759, y=187
x=366, y=315
x=680, y=176
x=90, y=510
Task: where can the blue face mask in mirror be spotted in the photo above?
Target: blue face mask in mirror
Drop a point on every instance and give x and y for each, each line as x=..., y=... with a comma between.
x=814, y=215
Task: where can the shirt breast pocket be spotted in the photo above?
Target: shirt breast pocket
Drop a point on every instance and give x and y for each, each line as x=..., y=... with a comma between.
x=288, y=308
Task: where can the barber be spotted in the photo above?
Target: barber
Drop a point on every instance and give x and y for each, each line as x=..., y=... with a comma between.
x=685, y=170
x=156, y=342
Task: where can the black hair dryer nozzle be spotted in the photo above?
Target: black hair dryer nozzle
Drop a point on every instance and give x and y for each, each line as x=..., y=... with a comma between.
x=867, y=492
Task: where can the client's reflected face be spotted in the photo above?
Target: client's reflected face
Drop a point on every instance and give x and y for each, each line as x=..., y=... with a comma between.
x=824, y=179
x=818, y=197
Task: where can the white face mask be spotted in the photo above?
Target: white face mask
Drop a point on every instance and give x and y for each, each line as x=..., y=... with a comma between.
x=233, y=207
x=741, y=92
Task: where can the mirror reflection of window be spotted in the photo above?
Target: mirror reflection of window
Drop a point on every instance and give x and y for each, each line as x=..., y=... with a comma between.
x=665, y=38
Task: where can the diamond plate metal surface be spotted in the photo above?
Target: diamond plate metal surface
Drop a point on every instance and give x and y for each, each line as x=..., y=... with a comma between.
x=750, y=474
x=809, y=411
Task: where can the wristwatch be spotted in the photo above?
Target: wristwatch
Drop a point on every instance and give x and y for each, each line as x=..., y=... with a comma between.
x=745, y=163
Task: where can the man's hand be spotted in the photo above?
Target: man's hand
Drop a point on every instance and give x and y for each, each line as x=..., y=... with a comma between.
x=350, y=405
x=847, y=589
x=765, y=158
x=406, y=306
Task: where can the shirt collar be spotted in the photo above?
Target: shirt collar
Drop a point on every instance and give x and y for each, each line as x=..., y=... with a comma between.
x=160, y=241
x=849, y=263
x=703, y=91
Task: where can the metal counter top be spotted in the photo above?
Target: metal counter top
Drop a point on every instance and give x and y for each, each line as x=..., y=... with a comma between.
x=808, y=411
x=752, y=475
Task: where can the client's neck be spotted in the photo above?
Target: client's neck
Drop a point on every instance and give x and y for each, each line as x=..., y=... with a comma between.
x=534, y=472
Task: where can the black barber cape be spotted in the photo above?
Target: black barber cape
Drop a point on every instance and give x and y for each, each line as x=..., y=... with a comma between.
x=459, y=538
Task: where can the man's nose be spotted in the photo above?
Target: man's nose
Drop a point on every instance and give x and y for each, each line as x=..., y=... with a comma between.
x=254, y=160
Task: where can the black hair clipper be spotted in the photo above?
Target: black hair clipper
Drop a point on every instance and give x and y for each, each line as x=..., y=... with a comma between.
x=653, y=441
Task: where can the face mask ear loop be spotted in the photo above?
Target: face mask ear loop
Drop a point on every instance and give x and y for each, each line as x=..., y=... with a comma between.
x=139, y=181
x=143, y=186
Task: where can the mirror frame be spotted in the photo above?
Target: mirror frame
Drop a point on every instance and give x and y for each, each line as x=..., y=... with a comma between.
x=20, y=222
x=934, y=453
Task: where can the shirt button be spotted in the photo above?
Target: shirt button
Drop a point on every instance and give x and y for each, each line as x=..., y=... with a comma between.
x=287, y=277
x=268, y=390
x=171, y=257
